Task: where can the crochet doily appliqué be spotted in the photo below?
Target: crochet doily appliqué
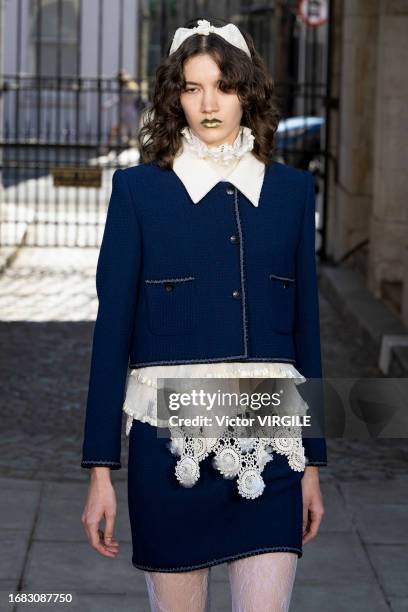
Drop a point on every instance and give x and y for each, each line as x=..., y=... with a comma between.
x=235, y=456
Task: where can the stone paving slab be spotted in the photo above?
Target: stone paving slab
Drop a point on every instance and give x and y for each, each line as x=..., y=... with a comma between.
x=382, y=523
x=393, y=491
x=7, y=587
x=219, y=589
x=20, y=484
x=18, y=507
x=390, y=563
x=335, y=558
x=75, y=566
x=14, y=544
x=336, y=598
x=399, y=604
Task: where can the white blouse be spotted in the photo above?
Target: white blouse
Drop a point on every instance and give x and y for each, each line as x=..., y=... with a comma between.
x=234, y=456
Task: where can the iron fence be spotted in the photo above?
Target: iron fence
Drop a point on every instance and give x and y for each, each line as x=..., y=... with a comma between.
x=53, y=118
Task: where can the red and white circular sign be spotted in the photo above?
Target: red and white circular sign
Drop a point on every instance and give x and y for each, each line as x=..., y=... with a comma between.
x=313, y=12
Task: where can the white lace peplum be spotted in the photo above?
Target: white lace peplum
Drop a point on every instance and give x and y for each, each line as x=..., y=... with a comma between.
x=235, y=455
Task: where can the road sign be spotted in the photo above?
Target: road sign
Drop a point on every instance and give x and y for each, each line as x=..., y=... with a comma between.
x=313, y=13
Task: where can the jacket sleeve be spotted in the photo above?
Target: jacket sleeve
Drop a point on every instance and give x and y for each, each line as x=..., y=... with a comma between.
x=117, y=275
x=307, y=326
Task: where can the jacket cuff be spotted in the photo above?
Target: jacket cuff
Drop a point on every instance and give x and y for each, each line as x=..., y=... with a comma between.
x=315, y=451
x=113, y=465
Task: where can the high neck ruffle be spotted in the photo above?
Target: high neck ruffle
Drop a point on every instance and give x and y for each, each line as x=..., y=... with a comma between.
x=225, y=153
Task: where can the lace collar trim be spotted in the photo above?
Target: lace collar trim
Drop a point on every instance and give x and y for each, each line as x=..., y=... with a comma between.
x=224, y=153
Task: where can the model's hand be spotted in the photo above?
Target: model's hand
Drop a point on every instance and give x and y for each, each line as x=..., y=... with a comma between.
x=313, y=509
x=101, y=503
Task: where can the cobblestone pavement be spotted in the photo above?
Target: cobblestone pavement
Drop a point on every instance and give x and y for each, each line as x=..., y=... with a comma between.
x=47, y=308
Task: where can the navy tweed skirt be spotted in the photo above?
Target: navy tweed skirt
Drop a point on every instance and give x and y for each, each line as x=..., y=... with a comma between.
x=177, y=529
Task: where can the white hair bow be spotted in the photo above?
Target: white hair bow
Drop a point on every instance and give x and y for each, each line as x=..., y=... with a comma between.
x=229, y=32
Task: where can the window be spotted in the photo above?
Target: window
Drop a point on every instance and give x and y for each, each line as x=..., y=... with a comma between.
x=54, y=37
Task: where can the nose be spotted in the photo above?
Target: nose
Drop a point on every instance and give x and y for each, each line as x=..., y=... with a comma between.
x=209, y=102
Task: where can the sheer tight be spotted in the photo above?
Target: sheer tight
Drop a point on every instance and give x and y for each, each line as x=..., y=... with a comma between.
x=260, y=582
x=179, y=591
x=263, y=582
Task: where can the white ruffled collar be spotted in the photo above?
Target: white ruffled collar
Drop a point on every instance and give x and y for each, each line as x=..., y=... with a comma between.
x=199, y=170
x=224, y=153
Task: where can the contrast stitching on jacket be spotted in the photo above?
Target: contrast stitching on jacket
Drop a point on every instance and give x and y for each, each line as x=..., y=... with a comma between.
x=169, y=280
x=256, y=551
x=282, y=277
x=241, y=262
x=133, y=366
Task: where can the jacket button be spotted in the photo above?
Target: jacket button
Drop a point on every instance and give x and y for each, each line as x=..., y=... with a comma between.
x=234, y=239
x=229, y=190
x=169, y=286
x=236, y=294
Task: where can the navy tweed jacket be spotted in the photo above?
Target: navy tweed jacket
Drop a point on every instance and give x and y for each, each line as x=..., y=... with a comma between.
x=184, y=282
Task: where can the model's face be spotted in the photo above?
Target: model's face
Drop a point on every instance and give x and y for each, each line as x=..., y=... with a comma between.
x=202, y=101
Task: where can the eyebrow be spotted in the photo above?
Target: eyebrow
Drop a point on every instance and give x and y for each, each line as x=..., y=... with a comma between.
x=194, y=83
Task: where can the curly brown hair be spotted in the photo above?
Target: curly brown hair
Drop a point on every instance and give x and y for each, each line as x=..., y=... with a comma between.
x=159, y=137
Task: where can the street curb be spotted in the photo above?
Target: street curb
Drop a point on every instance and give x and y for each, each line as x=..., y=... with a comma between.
x=370, y=319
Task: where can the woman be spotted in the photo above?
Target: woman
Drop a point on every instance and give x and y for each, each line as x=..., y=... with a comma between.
x=206, y=270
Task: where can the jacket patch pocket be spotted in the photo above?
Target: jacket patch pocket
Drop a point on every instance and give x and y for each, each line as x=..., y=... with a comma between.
x=282, y=292
x=170, y=305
